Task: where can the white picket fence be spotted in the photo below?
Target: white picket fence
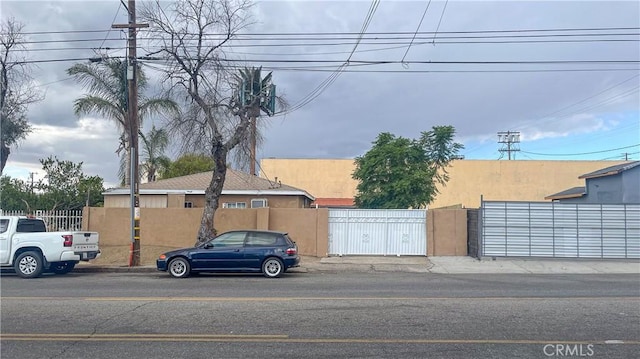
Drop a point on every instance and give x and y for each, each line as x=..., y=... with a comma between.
x=63, y=220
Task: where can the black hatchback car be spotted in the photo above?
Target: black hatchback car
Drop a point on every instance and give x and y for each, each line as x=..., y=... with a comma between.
x=269, y=252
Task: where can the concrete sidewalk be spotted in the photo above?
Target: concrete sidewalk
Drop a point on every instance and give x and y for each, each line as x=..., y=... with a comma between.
x=417, y=264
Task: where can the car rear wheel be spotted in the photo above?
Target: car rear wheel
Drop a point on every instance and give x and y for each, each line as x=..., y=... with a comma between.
x=62, y=267
x=179, y=268
x=29, y=264
x=272, y=267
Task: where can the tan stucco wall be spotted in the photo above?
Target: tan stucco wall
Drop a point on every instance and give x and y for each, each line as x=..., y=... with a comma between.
x=469, y=179
x=326, y=178
x=178, y=227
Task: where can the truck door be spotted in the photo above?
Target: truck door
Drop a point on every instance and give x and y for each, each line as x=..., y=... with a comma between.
x=5, y=246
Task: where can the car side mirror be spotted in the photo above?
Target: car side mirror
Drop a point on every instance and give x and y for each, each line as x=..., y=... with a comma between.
x=208, y=245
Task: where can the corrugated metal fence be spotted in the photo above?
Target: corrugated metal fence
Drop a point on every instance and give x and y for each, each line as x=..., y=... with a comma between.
x=377, y=232
x=63, y=220
x=543, y=229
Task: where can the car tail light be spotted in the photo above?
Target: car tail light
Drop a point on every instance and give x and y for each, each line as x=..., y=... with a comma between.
x=291, y=251
x=68, y=240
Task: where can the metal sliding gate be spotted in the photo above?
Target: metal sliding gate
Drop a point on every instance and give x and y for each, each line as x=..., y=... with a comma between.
x=551, y=229
x=377, y=232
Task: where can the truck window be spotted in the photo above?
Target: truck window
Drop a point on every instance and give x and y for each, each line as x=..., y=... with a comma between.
x=30, y=225
x=4, y=225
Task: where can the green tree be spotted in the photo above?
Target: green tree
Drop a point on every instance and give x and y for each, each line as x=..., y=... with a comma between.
x=67, y=187
x=107, y=85
x=154, y=160
x=398, y=172
x=17, y=195
x=188, y=164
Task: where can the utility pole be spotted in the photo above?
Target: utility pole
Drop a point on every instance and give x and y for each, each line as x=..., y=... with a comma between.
x=510, y=139
x=254, y=128
x=133, y=128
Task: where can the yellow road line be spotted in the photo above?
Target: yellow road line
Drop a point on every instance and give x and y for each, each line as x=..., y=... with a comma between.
x=285, y=299
x=284, y=339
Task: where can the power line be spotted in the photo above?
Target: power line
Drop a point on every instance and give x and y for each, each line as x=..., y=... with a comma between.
x=371, y=33
x=416, y=33
x=580, y=154
x=440, y=21
x=334, y=76
x=332, y=68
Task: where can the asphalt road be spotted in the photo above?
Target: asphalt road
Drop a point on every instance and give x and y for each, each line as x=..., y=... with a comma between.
x=318, y=315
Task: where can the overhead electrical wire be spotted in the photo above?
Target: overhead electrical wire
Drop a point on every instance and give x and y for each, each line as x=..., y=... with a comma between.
x=301, y=37
x=579, y=154
x=373, y=33
x=334, y=76
x=440, y=21
x=416, y=33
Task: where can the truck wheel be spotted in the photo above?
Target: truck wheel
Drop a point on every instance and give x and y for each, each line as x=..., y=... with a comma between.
x=62, y=267
x=29, y=264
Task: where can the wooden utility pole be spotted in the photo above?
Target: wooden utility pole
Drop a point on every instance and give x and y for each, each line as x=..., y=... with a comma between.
x=253, y=129
x=133, y=128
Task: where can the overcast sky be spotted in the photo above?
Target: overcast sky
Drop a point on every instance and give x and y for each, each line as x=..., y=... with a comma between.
x=559, y=110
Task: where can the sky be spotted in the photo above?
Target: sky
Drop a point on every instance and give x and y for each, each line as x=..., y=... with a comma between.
x=570, y=88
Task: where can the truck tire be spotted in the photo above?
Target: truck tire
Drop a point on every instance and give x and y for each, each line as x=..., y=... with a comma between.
x=29, y=264
x=62, y=267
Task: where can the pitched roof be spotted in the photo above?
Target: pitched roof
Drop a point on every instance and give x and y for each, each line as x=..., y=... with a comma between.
x=333, y=202
x=574, y=192
x=613, y=170
x=236, y=182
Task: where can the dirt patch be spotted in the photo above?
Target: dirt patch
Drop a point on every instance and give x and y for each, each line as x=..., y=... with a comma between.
x=119, y=255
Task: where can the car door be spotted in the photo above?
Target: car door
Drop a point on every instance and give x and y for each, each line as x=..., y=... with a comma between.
x=258, y=246
x=224, y=252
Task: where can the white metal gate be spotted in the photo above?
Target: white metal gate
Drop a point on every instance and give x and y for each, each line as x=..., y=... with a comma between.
x=377, y=232
x=543, y=229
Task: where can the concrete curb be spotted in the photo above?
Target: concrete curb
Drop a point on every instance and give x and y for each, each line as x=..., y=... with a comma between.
x=433, y=265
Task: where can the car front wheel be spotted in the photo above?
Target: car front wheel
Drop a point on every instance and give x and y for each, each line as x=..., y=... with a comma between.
x=179, y=268
x=272, y=267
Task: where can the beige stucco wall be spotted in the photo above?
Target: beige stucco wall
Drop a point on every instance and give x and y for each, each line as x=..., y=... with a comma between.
x=469, y=179
x=326, y=178
x=178, y=227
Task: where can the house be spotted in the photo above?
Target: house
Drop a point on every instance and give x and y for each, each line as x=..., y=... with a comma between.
x=240, y=190
x=619, y=184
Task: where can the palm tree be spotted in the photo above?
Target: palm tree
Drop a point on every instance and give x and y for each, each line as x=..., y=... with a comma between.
x=153, y=146
x=106, y=83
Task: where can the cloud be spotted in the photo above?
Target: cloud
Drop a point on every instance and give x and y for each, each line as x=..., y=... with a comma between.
x=344, y=118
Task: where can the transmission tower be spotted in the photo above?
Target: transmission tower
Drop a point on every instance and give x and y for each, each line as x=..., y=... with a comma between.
x=510, y=141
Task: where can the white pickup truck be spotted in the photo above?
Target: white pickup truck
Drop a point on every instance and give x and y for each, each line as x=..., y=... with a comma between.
x=26, y=246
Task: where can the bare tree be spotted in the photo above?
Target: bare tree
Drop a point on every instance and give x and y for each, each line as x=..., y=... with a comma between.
x=192, y=34
x=17, y=91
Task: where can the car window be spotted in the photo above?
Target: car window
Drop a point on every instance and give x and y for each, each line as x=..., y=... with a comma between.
x=30, y=226
x=261, y=239
x=231, y=239
x=4, y=225
x=289, y=239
